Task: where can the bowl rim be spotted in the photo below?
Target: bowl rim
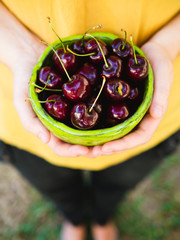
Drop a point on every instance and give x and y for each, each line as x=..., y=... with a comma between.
x=137, y=116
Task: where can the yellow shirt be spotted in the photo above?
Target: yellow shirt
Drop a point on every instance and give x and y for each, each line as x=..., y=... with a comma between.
x=142, y=18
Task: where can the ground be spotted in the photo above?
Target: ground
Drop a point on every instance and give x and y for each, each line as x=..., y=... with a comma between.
x=151, y=211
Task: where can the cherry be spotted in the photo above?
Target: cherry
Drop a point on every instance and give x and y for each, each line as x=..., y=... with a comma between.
x=84, y=116
x=97, y=47
x=99, y=93
x=59, y=108
x=122, y=48
x=134, y=93
x=121, y=96
x=97, y=106
x=70, y=61
x=114, y=67
x=137, y=71
x=90, y=72
x=116, y=89
x=78, y=46
x=77, y=89
x=134, y=98
x=50, y=78
x=118, y=111
x=81, y=117
x=94, y=103
x=137, y=66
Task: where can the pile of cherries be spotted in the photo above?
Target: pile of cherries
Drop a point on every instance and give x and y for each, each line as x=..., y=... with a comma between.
x=92, y=85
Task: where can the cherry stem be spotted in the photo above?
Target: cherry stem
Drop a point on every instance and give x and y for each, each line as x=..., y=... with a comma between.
x=92, y=28
x=30, y=99
x=47, y=89
x=58, y=59
x=105, y=61
x=104, y=81
x=133, y=50
x=124, y=38
x=42, y=89
x=80, y=55
x=49, y=20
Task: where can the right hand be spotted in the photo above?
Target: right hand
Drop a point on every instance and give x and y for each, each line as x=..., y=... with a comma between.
x=22, y=69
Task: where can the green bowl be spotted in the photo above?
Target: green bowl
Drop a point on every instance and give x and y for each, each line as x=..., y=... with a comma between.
x=87, y=137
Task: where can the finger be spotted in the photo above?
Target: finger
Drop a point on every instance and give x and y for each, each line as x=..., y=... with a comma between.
x=163, y=76
x=97, y=151
x=26, y=114
x=30, y=121
x=63, y=149
x=140, y=136
x=22, y=75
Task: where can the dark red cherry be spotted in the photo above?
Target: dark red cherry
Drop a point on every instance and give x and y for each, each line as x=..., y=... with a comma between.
x=90, y=72
x=69, y=60
x=58, y=108
x=114, y=67
x=134, y=93
x=116, y=89
x=77, y=89
x=92, y=47
x=97, y=106
x=49, y=74
x=81, y=117
x=118, y=111
x=79, y=46
x=117, y=45
x=137, y=71
x=135, y=98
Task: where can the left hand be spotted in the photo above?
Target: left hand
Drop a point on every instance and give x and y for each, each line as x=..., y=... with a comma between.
x=163, y=76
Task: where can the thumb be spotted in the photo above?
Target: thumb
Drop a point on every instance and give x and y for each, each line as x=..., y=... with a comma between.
x=163, y=76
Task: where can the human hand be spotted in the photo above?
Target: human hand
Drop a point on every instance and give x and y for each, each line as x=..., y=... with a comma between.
x=22, y=73
x=20, y=50
x=163, y=76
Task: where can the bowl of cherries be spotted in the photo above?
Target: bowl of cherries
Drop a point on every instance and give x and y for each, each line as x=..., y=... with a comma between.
x=90, y=89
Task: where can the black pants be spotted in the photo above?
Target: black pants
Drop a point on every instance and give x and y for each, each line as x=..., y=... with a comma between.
x=75, y=191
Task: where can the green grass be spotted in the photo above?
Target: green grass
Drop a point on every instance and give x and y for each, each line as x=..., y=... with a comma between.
x=44, y=223
x=133, y=222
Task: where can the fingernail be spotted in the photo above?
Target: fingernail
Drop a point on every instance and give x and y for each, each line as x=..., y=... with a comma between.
x=43, y=137
x=157, y=111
